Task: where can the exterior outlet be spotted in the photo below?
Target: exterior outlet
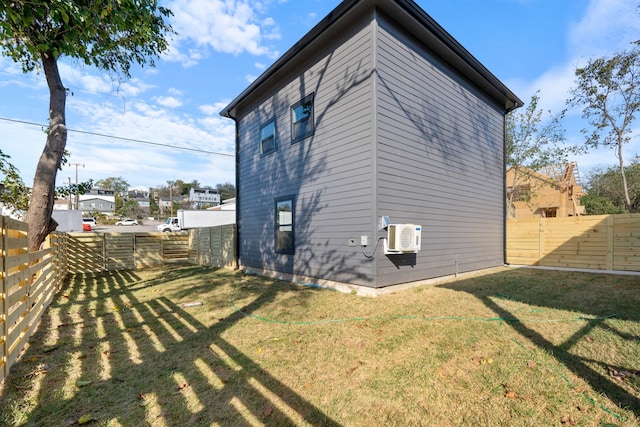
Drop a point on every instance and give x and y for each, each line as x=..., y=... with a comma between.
x=364, y=240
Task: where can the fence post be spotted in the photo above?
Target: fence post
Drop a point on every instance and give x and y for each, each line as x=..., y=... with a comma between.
x=610, y=233
x=4, y=314
x=540, y=240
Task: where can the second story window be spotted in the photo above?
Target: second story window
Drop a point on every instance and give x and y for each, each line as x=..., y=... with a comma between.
x=302, y=124
x=268, y=137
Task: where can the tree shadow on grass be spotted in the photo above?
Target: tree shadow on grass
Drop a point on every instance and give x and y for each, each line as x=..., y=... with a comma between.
x=558, y=290
x=102, y=353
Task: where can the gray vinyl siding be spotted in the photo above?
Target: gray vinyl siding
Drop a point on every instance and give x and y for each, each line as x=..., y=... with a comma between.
x=439, y=162
x=330, y=174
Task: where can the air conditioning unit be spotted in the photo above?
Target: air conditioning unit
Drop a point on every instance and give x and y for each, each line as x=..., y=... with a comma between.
x=403, y=238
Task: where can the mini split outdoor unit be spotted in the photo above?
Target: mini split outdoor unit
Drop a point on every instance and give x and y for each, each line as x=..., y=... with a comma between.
x=403, y=238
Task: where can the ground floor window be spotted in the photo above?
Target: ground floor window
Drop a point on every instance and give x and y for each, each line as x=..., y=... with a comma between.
x=285, y=214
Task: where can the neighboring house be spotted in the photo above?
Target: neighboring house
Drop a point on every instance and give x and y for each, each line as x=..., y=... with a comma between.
x=142, y=202
x=98, y=200
x=165, y=204
x=376, y=112
x=105, y=205
x=62, y=204
x=200, y=198
x=554, y=192
x=227, y=205
x=138, y=192
x=101, y=192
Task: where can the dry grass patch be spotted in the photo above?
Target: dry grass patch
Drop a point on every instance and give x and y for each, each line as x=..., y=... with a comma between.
x=518, y=347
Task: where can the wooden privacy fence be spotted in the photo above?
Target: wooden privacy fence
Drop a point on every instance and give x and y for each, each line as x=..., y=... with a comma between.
x=30, y=280
x=605, y=242
x=93, y=252
x=28, y=284
x=213, y=247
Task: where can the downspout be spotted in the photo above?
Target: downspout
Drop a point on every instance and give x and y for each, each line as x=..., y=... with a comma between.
x=374, y=145
x=237, y=245
x=504, y=187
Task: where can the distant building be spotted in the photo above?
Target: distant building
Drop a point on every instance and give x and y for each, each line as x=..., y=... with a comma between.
x=138, y=192
x=143, y=202
x=200, y=198
x=227, y=205
x=98, y=200
x=100, y=192
x=104, y=205
x=554, y=192
x=164, y=204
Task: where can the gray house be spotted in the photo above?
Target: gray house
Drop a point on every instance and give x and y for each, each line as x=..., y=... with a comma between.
x=376, y=116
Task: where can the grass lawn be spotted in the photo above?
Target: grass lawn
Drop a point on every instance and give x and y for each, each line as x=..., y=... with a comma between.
x=512, y=348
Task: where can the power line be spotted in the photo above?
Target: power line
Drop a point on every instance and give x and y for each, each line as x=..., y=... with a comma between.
x=122, y=138
x=118, y=95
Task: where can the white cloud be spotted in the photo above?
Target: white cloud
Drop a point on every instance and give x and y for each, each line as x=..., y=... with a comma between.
x=214, y=109
x=225, y=26
x=608, y=26
x=168, y=101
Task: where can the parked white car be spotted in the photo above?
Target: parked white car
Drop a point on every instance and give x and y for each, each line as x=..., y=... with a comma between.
x=127, y=221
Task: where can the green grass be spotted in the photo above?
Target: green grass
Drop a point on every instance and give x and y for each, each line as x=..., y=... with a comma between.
x=511, y=348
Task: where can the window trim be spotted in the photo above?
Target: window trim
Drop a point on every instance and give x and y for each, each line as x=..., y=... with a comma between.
x=277, y=225
x=311, y=128
x=275, y=136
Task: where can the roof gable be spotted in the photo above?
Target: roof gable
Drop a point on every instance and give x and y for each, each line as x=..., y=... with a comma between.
x=415, y=20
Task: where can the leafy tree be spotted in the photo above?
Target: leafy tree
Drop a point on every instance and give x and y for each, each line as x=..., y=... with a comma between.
x=118, y=185
x=74, y=189
x=600, y=205
x=111, y=35
x=14, y=194
x=226, y=191
x=605, y=193
x=533, y=143
x=607, y=90
x=153, y=205
x=180, y=187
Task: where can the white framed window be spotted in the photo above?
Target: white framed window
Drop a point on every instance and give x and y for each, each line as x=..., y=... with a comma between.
x=284, y=233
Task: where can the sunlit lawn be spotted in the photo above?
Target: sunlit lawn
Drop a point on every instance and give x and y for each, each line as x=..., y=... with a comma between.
x=511, y=348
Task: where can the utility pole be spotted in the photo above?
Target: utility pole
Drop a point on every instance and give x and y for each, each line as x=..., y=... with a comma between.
x=76, y=165
x=70, y=202
x=170, y=196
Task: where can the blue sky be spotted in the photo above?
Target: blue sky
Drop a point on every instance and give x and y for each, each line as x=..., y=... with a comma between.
x=223, y=44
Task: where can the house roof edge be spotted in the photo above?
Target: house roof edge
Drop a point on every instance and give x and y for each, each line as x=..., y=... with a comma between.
x=410, y=7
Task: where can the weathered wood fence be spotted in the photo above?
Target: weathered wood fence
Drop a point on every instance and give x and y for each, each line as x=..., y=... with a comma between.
x=28, y=281
x=604, y=242
x=93, y=252
x=214, y=247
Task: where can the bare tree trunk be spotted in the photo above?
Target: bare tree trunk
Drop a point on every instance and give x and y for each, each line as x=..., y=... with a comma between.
x=627, y=199
x=511, y=195
x=43, y=191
